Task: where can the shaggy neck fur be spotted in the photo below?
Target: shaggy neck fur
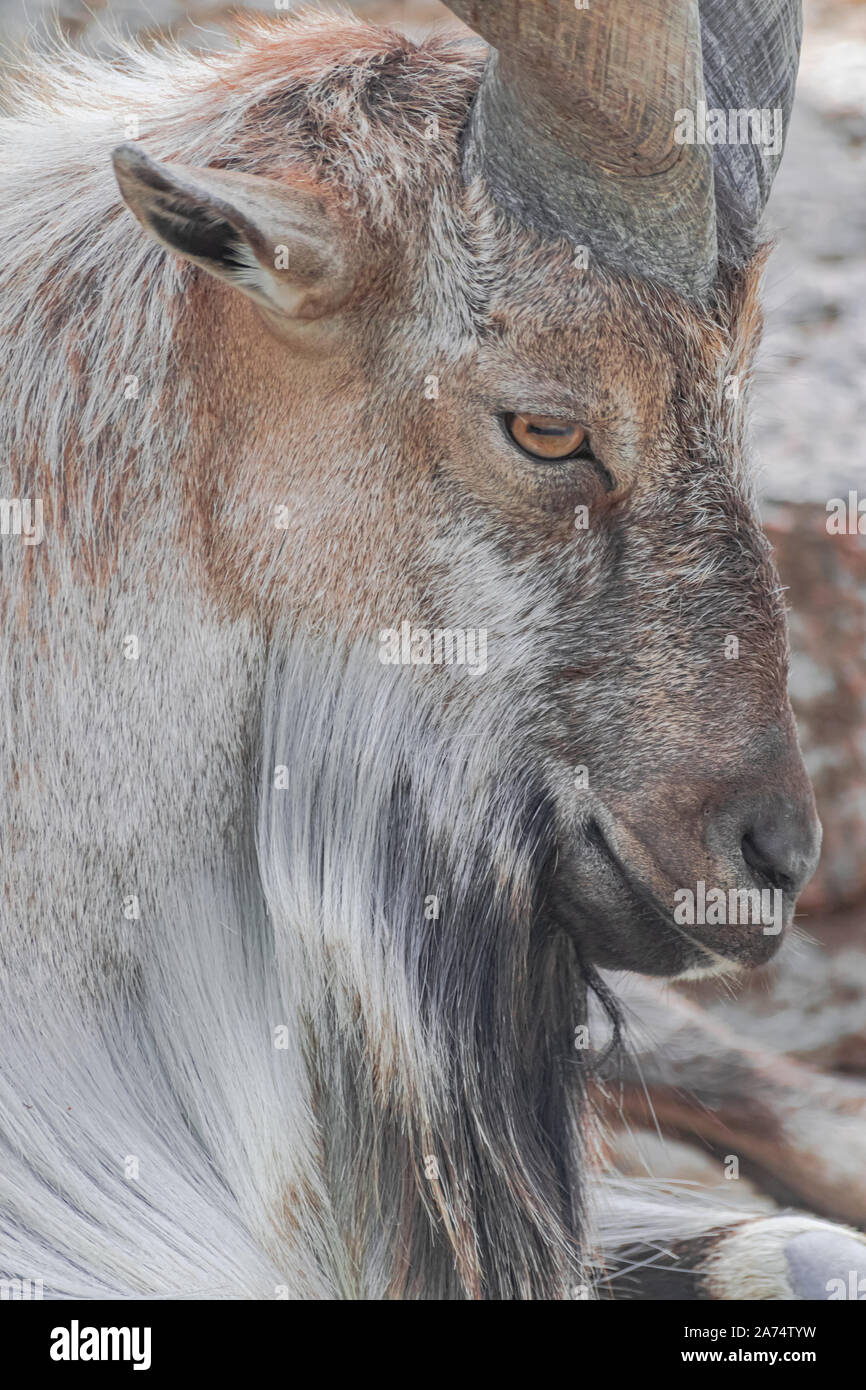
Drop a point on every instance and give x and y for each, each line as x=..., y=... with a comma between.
x=449, y=1106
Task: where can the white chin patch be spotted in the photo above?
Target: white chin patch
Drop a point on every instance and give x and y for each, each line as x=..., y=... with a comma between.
x=715, y=966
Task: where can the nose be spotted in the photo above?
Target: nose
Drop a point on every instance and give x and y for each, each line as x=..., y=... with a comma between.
x=762, y=820
x=780, y=844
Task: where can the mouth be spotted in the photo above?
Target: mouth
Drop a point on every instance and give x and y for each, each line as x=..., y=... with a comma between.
x=622, y=923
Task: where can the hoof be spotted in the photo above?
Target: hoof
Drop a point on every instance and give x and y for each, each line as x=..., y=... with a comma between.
x=789, y=1257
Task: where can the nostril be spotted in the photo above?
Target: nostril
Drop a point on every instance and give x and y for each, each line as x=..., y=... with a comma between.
x=769, y=857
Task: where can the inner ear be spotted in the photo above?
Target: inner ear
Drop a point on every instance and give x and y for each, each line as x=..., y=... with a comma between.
x=201, y=238
x=276, y=242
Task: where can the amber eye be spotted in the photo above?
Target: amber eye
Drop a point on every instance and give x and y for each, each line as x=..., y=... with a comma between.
x=544, y=437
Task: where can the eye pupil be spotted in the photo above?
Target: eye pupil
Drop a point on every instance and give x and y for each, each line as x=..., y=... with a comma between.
x=546, y=438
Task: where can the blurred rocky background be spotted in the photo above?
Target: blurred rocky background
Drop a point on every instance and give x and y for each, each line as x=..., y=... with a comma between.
x=810, y=422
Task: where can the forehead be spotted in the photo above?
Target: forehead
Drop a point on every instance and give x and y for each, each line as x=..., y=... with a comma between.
x=466, y=285
x=544, y=294
x=556, y=339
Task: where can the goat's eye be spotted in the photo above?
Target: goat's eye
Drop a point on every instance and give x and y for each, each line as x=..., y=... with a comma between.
x=543, y=437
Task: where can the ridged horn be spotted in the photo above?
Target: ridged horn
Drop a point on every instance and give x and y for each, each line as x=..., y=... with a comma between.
x=751, y=56
x=573, y=130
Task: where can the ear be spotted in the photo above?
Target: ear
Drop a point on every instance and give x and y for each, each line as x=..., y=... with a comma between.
x=276, y=243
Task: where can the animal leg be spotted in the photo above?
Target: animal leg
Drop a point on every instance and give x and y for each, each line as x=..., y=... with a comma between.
x=670, y=1247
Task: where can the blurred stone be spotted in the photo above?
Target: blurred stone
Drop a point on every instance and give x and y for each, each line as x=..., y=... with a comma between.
x=809, y=1003
x=825, y=576
x=810, y=380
